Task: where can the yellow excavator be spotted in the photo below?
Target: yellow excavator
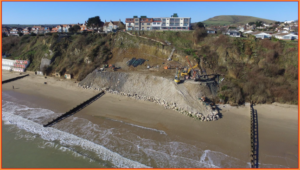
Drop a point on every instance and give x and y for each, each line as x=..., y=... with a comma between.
x=177, y=76
x=187, y=71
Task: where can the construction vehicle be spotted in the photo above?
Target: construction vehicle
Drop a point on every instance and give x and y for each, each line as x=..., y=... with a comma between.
x=188, y=71
x=112, y=67
x=177, y=76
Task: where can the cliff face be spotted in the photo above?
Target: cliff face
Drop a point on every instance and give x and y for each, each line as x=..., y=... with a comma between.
x=258, y=70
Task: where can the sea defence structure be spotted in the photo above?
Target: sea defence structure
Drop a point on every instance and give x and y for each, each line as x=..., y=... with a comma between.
x=13, y=79
x=254, y=138
x=75, y=109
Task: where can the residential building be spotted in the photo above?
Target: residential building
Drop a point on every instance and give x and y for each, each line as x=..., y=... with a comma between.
x=112, y=25
x=26, y=30
x=279, y=35
x=211, y=31
x=15, y=31
x=233, y=33
x=53, y=30
x=262, y=35
x=289, y=22
x=159, y=23
x=290, y=36
x=38, y=29
x=247, y=31
x=47, y=29
x=83, y=27
x=63, y=28
x=286, y=36
x=129, y=23
x=147, y=23
x=5, y=30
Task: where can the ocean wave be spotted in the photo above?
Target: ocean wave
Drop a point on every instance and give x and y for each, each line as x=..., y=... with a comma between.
x=121, y=146
x=51, y=134
x=160, y=131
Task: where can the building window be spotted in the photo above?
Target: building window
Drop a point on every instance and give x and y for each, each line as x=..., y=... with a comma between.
x=148, y=23
x=158, y=23
x=154, y=23
x=136, y=19
x=136, y=28
x=136, y=23
x=142, y=23
x=164, y=20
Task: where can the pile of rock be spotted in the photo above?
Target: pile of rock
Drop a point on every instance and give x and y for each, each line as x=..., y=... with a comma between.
x=168, y=105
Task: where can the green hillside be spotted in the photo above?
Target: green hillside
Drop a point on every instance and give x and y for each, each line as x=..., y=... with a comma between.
x=233, y=19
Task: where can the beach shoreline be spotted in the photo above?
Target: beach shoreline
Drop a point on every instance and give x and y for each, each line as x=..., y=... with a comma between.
x=229, y=135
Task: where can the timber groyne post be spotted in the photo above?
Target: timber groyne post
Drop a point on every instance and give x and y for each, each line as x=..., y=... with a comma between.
x=13, y=79
x=75, y=109
x=254, y=137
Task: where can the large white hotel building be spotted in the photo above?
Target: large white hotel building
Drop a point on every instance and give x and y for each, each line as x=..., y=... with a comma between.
x=161, y=23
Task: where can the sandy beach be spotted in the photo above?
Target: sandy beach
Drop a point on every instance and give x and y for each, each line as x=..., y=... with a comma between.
x=277, y=123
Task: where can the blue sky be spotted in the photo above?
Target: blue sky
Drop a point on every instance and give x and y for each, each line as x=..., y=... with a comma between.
x=74, y=12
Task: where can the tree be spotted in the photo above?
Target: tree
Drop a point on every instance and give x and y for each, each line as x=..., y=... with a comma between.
x=20, y=34
x=71, y=29
x=76, y=28
x=277, y=22
x=4, y=34
x=258, y=23
x=200, y=25
x=32, y=34
x=94, y=22
x=251, y=23
x=174, y=15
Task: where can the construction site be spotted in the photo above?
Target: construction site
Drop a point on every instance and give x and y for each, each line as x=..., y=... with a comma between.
x=164, y=77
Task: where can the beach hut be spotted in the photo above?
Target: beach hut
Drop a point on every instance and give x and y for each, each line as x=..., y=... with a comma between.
x=68, y=76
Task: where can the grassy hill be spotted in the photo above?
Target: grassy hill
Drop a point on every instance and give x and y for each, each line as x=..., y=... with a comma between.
x=233, y=19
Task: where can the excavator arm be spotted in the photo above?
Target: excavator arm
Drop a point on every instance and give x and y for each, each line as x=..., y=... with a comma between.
x=191, y=68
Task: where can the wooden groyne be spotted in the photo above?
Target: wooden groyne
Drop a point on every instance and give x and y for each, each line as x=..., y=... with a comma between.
x=254, y=137
x=13, y=79
x=75, y=109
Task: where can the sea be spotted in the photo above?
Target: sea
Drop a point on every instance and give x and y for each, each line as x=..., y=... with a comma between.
x=80, y=143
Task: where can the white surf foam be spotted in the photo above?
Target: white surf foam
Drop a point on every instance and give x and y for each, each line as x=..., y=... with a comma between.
x=120, y=146
x=160, y=131
x=51, y=134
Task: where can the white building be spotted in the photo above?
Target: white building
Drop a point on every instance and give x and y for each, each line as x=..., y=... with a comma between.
x=263, y=35
x=15, y=65
x=290, y=36
x=159, y=23
x=248, y=32
x=7, y=64
x=288, y=22
x=171, y=23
